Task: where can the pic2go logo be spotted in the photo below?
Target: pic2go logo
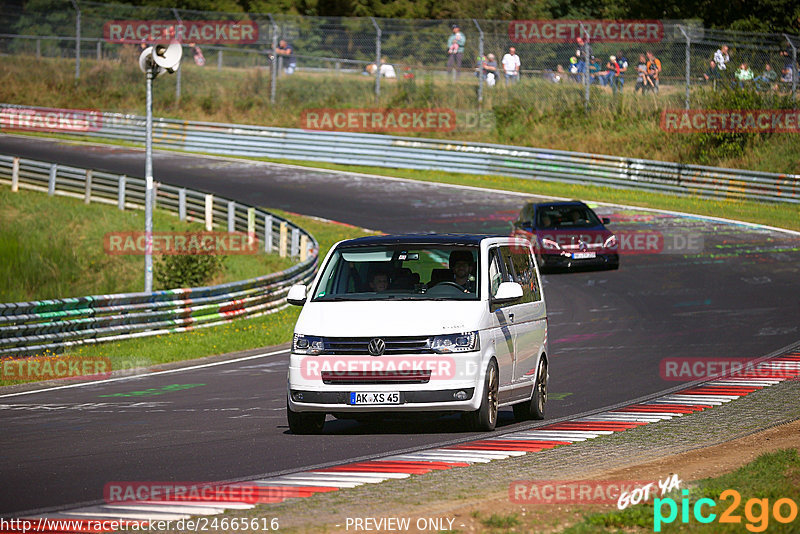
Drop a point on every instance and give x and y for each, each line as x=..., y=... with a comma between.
x=756, y=511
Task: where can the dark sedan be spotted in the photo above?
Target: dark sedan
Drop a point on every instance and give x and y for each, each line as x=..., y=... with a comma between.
x=568, y=235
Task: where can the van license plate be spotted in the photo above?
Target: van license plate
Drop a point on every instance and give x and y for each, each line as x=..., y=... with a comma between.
x=583, y=255
x=370, y=397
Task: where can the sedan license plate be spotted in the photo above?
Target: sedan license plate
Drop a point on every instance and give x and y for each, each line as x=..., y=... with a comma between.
x=370, y=397
x=583, y=255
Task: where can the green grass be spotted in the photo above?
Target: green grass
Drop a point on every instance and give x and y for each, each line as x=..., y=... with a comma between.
x=242, y=334
x=501, y=521
x=48, y=251
x=771, y=476
x=532, y=113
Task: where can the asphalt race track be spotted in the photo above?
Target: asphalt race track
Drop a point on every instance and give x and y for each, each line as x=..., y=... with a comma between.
x=609, y=332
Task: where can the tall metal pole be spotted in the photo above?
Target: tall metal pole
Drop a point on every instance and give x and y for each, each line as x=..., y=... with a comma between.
x=377, y=60
x=480, y=66
x=274, y=63
x=148, y=192
x=794, y=70
x=178, y=78
x=587, y=59
x=688, y=63
x=77, y=39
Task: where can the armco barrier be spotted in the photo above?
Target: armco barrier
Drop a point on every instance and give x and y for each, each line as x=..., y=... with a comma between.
x=33, y=327
x=456, y=156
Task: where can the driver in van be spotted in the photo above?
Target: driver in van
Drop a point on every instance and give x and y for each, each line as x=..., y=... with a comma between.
x=462, y=263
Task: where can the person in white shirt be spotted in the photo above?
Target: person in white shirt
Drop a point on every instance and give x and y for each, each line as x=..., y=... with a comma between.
x=387, y=71
x=721, y=57
x=511, y=65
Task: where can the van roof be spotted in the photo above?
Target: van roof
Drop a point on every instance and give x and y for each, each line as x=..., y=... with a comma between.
x=419, y=239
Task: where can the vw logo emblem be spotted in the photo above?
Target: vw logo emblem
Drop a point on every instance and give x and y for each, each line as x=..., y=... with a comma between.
x=376, y=346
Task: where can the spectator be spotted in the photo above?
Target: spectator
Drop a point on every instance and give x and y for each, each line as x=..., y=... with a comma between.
x=721, y=58
x=712, y=74
x=641, y=74
x=511, y=65
x=594, y=70
x=611, y=73
x=653, y=70
x=197, y=54
x=744, y=74
x=575, y=68
x=583, y=46
x=286, y=51
x=387, y=71
x=489, y=69
x=554, y=76
x=767, y=78
x=787, y=72
x=622, y=62
x=455, y=50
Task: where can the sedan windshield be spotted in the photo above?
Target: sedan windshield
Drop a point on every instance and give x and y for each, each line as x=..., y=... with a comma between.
x=400, y=272
x=566, y=216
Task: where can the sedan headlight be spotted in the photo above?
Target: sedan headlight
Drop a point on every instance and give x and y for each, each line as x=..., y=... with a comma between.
x=466, y=342
x=611, y=242
x=311, y=345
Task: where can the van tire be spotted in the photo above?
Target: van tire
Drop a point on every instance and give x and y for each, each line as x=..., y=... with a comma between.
x=484, y=419
x=534, y=408
x=304, y=423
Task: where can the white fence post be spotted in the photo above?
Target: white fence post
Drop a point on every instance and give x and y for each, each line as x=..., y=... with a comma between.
x=51, y=183
x=231, y=216
x=251, y=226
x=267, y=233
x=15, y=175
x=121, y=183
x=87, y=195
x=295, y=249
x=209, y=212
x=182, y=204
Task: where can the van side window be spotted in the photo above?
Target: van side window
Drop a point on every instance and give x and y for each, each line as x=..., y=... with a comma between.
x=495, y=271
x=525, y=274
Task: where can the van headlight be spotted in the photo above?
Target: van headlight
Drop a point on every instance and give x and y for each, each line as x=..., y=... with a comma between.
x=450, y=343
x=311, y=345
x=611, y=242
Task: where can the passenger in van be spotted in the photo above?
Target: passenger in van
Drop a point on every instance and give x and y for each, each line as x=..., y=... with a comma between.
x=462, y=264
x=378, y=281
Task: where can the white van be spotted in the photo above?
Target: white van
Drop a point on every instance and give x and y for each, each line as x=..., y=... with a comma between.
x=420, y=323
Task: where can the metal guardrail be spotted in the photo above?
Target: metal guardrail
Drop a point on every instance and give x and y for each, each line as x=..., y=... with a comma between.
x=28, y=328
x=444, y=155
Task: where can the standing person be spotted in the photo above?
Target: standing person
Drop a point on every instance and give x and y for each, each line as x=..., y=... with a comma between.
x=286, y=51
x=722, y=58
x=511, y=65
x=197, y=54
x=712, y=74
x=489, y=68
x=641, y=74
x=455, y=50
x=583, y=46
x=743, y=75
x=653, y=69
x=622, y=63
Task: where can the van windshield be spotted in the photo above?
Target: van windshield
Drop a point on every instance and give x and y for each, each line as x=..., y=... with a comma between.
x=401, y=272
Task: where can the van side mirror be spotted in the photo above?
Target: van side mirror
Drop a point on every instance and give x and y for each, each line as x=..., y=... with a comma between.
x=297, y=295
x=507, y=292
